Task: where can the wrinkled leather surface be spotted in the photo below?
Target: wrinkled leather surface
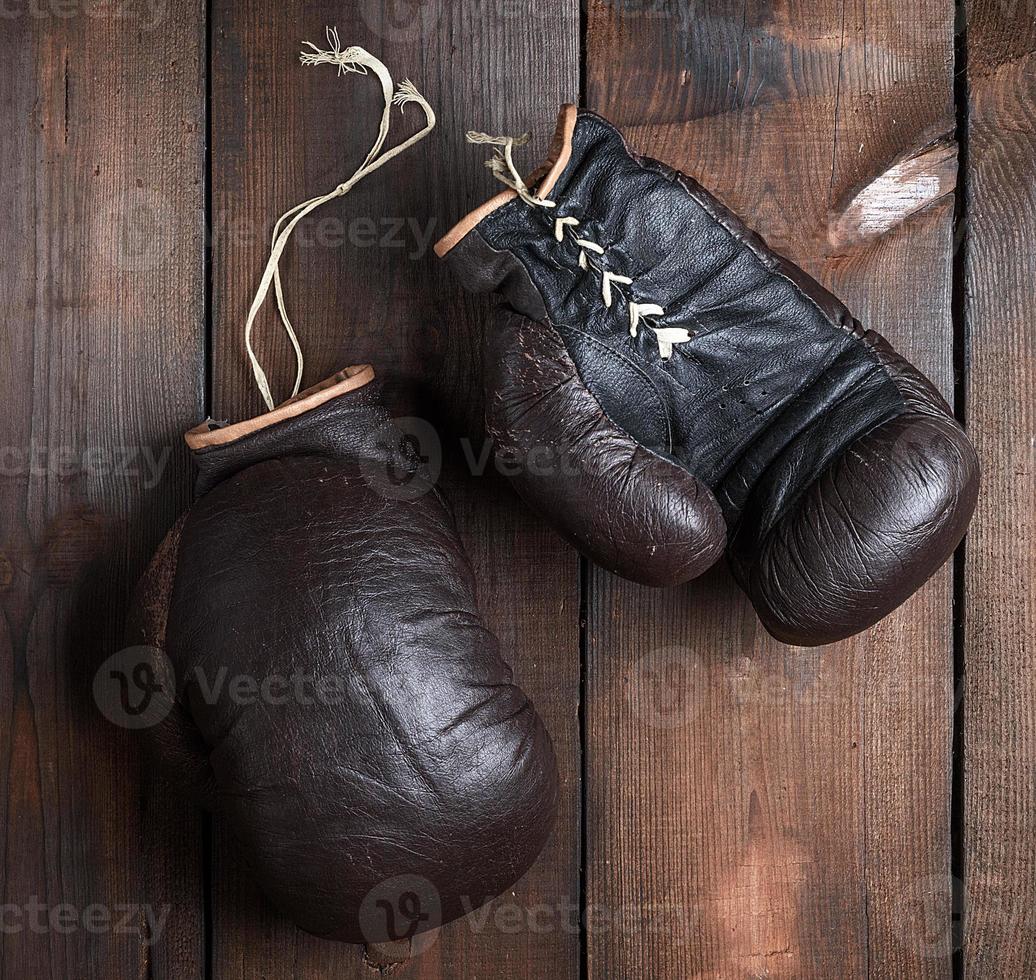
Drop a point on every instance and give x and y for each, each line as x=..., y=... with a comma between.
x=772, y=405
x=426, y=761
x=571, y=463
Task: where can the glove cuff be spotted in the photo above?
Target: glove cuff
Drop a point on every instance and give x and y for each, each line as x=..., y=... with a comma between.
x=543, y=179
x=317, y=421
x=212, y=433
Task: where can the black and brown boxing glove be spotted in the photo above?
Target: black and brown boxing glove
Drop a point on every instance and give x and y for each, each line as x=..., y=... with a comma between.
x=699, y=393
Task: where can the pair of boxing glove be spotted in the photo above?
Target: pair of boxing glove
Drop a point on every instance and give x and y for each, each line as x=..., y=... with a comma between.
x=684, y=391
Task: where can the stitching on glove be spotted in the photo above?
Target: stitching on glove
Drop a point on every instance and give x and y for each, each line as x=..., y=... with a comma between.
x=647, y=383
x=502, y=166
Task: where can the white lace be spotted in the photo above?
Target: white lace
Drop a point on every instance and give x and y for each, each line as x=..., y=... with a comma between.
x=352, y=59
x=591, y=254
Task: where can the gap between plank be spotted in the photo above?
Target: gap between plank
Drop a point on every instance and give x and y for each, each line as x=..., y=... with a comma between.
x=208, y=244
x=584, y=616
x=584, y=620
x=958, y=844
x=208, y=237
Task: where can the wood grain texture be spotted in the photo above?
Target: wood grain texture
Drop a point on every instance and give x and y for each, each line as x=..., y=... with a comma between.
x=1000, y=609
x=102, y=363
x=362, y=286
x=756, y=810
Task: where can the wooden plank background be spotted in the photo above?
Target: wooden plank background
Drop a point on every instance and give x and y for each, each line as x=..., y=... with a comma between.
x=731, y=807
x=1000, y=624
x=102, y=367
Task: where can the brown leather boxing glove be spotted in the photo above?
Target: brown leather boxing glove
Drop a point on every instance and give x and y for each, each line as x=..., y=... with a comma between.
x=324, y=679
x=333, y=692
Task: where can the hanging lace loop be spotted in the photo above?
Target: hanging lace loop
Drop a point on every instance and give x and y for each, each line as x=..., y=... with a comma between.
x=501, y=163
x=352, y=59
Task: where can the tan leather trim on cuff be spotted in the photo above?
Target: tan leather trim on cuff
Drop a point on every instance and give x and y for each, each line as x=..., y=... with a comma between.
x=349, y=379
x=557, y=159
x=560, y=151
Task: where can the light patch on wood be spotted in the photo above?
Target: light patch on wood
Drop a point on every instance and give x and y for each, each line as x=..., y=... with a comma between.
x=758, y=905
x=388, y=956
x=911, y=184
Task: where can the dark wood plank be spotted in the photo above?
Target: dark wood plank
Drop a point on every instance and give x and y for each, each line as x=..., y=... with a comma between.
x=1000, y=611
x=102, y=327
x=282, y=134
x=757, y=810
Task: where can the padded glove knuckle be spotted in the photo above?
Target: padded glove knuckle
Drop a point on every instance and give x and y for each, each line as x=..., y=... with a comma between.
x=634, y=512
